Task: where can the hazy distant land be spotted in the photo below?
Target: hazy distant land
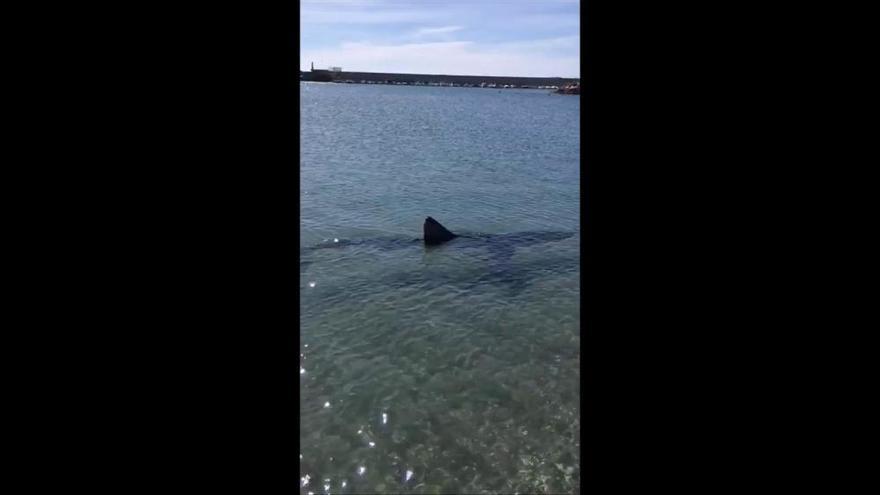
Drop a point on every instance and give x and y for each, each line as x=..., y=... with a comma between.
x=436, y=79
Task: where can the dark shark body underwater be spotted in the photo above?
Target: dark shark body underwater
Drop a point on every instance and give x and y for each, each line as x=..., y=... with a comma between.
x=496, y=250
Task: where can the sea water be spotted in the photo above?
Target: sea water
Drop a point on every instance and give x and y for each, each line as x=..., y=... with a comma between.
x=419, y=373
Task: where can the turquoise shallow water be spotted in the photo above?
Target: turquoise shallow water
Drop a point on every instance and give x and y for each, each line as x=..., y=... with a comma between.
x=445, y=370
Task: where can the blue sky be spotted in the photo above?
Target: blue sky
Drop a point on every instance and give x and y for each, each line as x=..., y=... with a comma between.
x=538, y=38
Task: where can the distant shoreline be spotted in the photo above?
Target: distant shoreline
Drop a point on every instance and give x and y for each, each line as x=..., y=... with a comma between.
x=452, y=85
x=501, y=82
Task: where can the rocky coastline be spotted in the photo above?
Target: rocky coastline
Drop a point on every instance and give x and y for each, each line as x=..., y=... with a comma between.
x=570, y=89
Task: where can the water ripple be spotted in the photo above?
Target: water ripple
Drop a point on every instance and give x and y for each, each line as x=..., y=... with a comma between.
x=442, y=371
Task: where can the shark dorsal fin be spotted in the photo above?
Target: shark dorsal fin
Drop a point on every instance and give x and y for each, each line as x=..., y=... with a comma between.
x=436, y=233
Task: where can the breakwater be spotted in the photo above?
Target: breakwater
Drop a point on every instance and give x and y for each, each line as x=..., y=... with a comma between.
x=434, y=79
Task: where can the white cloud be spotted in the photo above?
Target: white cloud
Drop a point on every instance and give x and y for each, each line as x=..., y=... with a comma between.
x=339, y=16
x=437, y=30
x=342, y=3
x=538, y=58
x=366, y=12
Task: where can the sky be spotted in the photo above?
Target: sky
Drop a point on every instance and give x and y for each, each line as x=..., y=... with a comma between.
x=524, y=38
